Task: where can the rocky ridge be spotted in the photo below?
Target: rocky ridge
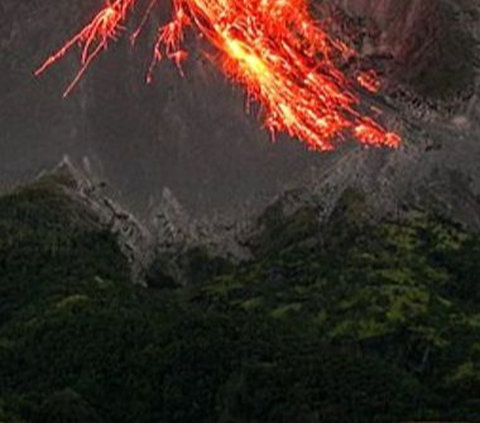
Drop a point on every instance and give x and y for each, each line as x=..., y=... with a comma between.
x=175, y=245
x=133, y=238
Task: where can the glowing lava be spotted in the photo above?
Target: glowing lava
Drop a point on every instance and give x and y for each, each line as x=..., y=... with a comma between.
x=285, y=60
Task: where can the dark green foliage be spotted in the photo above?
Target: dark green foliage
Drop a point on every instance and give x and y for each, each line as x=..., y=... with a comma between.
x=340, y=322
x=67, y=407
x=45, y=239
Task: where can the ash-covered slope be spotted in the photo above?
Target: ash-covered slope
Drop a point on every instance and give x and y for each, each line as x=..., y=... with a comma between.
x=193, y=137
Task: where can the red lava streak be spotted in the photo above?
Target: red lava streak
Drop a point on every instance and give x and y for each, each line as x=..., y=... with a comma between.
x=274, y=48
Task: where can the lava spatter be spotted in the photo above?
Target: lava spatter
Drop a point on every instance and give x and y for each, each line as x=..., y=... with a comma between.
x=285, y=60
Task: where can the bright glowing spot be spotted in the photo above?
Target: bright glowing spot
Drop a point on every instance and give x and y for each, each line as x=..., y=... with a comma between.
x=369, y=81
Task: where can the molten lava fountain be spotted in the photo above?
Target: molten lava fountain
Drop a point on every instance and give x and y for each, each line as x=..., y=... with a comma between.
x=286, y=61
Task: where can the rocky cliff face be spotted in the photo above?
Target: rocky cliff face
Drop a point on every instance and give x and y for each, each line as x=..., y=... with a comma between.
x=135, y=241
x=431, y=43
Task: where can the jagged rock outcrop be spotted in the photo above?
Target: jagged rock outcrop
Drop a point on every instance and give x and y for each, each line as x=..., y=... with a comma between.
x=175, y=248
x=171, y=245
x=133, y=238
x=182, y=241
x=172, y=226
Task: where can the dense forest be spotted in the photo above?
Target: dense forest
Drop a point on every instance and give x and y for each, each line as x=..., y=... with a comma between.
x=348, y=320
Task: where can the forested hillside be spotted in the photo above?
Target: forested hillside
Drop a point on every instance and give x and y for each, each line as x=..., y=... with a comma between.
x=343, y=321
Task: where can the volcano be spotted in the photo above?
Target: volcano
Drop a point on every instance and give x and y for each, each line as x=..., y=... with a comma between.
x=193, y=136
x=162, y=259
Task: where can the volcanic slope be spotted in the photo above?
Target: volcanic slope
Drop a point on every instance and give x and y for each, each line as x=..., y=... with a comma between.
x=192, y=135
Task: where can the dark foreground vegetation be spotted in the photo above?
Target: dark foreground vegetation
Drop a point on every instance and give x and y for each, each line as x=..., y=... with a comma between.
x=345, y=322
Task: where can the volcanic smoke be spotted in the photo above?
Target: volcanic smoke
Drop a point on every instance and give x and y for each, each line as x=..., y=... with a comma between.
x=283, y=58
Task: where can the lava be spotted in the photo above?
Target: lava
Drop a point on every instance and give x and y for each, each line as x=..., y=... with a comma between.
x=285, y=60
x=94, y=38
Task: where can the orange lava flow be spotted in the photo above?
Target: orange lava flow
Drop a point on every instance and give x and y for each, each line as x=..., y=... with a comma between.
x=285, y=60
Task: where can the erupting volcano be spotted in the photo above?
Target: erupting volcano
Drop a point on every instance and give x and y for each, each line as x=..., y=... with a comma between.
x=285, y=59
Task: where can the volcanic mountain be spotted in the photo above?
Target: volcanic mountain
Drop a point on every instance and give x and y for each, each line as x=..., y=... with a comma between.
x=192, y=135
x=167, y=262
